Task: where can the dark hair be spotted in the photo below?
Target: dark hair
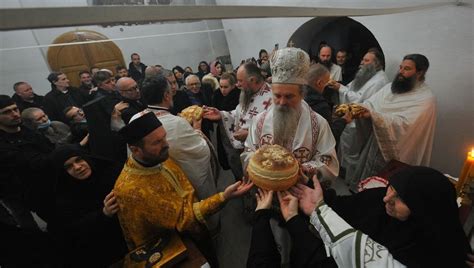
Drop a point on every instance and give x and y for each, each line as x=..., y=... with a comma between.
x=154, y=88
x=208, y=67
x=323, y=46
x=179, y=68
x=53, y=77
x=133, y=54
x=421, y=63
x=119, y=67
x=379, y=57
x=84, y=72
x=101, y=76
x=252, y=70
x=341, y=50
x=15, y=86
x=260, y=52
x=5, y=101
x=229, y=77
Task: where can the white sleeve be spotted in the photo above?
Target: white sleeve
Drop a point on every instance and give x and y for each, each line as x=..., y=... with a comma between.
x=349, y=247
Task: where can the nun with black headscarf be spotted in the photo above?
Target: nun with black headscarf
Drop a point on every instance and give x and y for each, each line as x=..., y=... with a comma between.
x=85, y=223
x=412, y=222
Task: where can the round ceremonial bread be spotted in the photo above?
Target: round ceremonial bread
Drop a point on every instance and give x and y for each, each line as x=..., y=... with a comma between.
x=191, y=111
x=272, y=167
x=355, y=109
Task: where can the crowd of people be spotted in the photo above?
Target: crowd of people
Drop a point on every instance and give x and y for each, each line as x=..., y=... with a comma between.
x=93, y=173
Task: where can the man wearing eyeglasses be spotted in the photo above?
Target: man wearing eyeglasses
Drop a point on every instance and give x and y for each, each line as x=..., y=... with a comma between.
x=130, y=92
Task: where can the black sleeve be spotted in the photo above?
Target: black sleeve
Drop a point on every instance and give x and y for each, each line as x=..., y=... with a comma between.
x=307, y=247
x=263, y=249
x=337, y=127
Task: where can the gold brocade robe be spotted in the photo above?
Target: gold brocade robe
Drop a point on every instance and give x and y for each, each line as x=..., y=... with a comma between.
x=152, y=199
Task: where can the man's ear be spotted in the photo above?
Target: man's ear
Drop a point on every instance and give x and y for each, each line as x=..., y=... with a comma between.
x=135, y=150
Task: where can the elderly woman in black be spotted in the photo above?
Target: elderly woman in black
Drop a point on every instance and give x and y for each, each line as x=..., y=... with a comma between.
x=85, y=225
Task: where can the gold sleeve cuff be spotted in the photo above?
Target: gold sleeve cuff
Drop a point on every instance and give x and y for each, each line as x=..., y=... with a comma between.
x=208, y=206
x=197, y=213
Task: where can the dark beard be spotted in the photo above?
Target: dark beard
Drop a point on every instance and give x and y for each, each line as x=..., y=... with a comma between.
x=402, y=84
x=150, y=161
x=365, y=73
x=245, y=98
x=327, y=63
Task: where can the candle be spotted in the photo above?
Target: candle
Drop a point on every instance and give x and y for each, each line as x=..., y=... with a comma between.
x=466, y=171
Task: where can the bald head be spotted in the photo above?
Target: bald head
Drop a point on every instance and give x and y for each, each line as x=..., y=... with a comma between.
x=128, y=88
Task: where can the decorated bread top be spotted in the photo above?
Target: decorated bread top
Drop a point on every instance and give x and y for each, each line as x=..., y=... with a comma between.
x=274, y=163
x=191, y=111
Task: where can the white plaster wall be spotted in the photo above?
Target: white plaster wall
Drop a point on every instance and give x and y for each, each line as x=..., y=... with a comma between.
x=444, y=35
x=183, y=48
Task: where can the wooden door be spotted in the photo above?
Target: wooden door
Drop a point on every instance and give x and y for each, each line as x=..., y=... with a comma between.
x=71, y=59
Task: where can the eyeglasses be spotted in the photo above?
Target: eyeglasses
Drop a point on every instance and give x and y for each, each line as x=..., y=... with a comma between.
x=134, y=88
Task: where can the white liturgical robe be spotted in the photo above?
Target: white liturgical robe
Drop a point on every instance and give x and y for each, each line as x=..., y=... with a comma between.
x=313, y=144
x=349, y=147
x=240, y=119
x=190, y=151
x=401, y=128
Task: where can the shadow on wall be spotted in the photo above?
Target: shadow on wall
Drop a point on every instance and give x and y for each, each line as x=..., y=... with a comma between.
x=338, y=32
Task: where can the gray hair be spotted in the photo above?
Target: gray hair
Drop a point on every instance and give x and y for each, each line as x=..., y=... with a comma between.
x=189, y=77
x=153, y=71
x=27, y=116
x=316, y=72
x=166, y=72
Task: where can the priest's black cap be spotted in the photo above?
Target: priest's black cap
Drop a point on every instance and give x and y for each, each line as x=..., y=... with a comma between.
x=140, y=125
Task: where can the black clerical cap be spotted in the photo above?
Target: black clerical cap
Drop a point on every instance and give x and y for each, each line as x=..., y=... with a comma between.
x=5, y=101
x=140, y=125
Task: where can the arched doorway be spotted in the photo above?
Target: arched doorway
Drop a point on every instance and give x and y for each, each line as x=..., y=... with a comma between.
x=339, y=32
x=72, y=59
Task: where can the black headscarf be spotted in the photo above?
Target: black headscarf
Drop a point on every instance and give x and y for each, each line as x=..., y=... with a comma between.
x=82, y=196
x=432, y=235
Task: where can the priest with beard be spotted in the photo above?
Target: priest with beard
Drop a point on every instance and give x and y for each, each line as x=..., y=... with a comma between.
x=255, y=97
x=399, y=123
x=368, y=80
x=291, y=123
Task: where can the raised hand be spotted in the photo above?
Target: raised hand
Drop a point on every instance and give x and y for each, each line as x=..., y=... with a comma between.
x=237, y=189
x=308, y=198
x=264, y=199
x=211, y=113
x=288, y=205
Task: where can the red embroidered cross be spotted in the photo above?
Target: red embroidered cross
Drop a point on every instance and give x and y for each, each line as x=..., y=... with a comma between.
x=253, y=112
x=267, y=103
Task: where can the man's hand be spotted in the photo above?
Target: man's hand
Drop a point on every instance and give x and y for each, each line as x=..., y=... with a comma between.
x=347, y=117
x=237, y=189
x=264, y=199
x=211, y=113
x=334, y=85
x=366, y=114
x=110, y=205
x=241, y=134
x=84, y=141
x=197, y=123
x=118, y=108
x=309, y=198
x=288, y=205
